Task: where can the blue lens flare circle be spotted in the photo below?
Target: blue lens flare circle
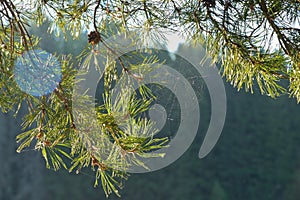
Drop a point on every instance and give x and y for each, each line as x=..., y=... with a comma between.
x=37, y=72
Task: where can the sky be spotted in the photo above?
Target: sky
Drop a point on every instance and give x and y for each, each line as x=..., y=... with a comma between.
x=173, y=41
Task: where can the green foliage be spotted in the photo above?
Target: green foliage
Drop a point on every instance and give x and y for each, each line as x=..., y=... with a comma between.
x=239, y=34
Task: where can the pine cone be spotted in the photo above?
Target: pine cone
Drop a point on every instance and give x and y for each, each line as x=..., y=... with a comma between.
x=209, y=3
x=94, y=37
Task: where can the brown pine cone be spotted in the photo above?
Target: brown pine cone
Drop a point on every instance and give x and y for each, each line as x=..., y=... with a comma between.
x=209, y=3
x=94, y=37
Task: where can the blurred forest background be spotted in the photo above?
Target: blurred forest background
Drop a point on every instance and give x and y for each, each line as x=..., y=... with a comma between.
x=256, y=158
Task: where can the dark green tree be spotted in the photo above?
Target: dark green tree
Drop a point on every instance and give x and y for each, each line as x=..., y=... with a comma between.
x=217, y=192
x=18, y=179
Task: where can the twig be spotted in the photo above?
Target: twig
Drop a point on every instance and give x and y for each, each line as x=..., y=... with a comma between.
x=67, y=107
x=281, y=37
